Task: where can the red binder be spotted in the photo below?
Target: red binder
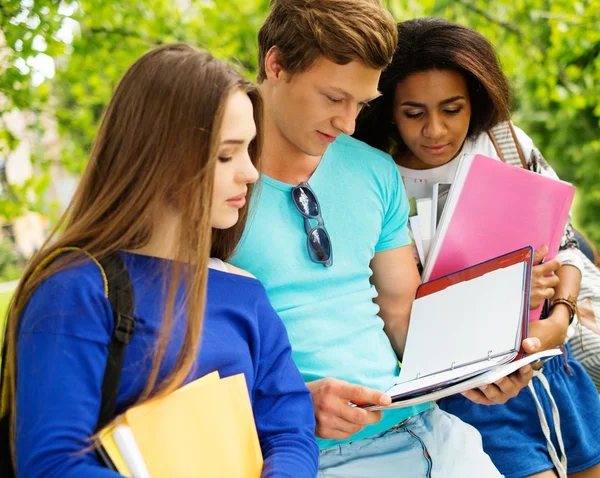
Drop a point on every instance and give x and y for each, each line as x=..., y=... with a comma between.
x=521, y=255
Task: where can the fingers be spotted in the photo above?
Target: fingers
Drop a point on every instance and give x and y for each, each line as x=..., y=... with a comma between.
x=358, y=417
x=532, y=345
x=477, y=396
x=363, y=396
x=343, y=421
x=515, y=382
x=543, y=292
x=537, y=299
x=548, y=282
x=502, y=390
x=543, y=282
x=548, y=267
x=495, y=394
x=338, y=429
x=336, y=418
x=543, y=275
x=525, y=374
x=539, y=295
x=539, y=254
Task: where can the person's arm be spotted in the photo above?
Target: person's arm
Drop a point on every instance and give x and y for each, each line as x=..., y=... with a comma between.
x=558, y=278
x=61, y=354
x=395, y=274
x=396, y=278
x=282, y=404
x=552, y=331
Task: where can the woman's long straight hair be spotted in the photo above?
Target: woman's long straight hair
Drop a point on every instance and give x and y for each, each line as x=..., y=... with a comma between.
x=157, y=146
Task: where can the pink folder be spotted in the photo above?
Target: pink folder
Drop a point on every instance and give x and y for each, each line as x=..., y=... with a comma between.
x=494, y=208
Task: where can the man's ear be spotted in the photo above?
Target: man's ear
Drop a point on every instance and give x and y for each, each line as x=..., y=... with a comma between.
x=273, y=68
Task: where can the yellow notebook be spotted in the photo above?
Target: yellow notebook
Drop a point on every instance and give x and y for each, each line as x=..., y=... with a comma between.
x=206, y=428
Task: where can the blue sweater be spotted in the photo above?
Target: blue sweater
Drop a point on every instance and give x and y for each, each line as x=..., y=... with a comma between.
x=62, y=352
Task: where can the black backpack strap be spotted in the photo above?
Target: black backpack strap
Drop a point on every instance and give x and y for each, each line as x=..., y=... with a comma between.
x=120, y=296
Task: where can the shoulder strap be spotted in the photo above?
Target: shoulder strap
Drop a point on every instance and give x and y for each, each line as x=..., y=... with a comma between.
x=119, y=291
x=120, y=296
x=507, y=145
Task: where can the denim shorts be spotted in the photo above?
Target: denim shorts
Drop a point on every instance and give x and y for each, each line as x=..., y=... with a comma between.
x=432, y=444
x=513, y=435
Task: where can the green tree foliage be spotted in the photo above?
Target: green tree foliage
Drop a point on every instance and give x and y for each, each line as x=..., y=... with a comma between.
x=29, y=35
x=92, y=44
x=549, y=48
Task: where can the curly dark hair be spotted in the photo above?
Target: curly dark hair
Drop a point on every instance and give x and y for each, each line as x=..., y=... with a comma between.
x=435, y=44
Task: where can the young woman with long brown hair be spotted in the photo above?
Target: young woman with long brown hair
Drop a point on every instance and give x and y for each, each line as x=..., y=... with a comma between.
x=441, y=96
x=166, y=188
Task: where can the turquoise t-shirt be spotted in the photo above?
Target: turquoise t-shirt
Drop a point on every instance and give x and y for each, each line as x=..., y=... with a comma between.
x=329, y=313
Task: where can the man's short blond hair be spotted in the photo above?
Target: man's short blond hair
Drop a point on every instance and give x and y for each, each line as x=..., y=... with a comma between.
x=340, y=30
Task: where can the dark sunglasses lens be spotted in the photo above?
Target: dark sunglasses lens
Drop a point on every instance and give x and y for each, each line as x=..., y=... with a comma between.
x=305, y=201
x=320, y=246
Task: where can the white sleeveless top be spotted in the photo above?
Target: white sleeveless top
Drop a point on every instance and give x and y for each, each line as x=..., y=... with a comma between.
x=217, y=264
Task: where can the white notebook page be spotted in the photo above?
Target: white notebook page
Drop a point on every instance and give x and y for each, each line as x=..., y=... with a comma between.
x=465, y=323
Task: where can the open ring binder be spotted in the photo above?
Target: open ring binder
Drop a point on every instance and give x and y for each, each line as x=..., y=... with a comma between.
x=465, y=324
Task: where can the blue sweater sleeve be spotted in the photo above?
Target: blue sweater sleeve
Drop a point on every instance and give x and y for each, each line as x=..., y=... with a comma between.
x=61, y=355
x=282, y=405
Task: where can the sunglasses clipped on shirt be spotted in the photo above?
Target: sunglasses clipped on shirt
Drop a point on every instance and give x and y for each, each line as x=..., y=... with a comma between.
x=318, y=243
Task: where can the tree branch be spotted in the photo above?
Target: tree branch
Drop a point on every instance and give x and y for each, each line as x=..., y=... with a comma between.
x=123, y=32
x=479, y=11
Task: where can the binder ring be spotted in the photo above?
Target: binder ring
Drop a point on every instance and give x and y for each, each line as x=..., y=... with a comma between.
x=489, y=355
x=452, y=366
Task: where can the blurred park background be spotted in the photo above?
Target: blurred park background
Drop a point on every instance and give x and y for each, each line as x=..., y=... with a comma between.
x=59, y=62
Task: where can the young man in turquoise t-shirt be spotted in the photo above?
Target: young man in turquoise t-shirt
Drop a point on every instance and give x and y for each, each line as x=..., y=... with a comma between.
x=327, y=236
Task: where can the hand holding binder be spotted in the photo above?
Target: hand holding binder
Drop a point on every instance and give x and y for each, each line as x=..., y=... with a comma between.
x=403, y=398
x=464, y=325
x=543, y=279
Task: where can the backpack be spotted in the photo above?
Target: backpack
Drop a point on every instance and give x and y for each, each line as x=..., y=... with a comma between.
x=585, y=341
x=119, y=291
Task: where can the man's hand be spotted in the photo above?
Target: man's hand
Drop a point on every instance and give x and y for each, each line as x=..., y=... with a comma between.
x=508, y=387
x=543, y=279
x=336, y=419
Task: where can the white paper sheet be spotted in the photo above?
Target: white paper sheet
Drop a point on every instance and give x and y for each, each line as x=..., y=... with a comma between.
x=424, y=213
x=465, y=323
x=480, y=380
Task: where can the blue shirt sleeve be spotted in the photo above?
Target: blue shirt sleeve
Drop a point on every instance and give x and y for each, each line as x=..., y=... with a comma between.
x=61, y=356
x=282, y=404
x=394, y=232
